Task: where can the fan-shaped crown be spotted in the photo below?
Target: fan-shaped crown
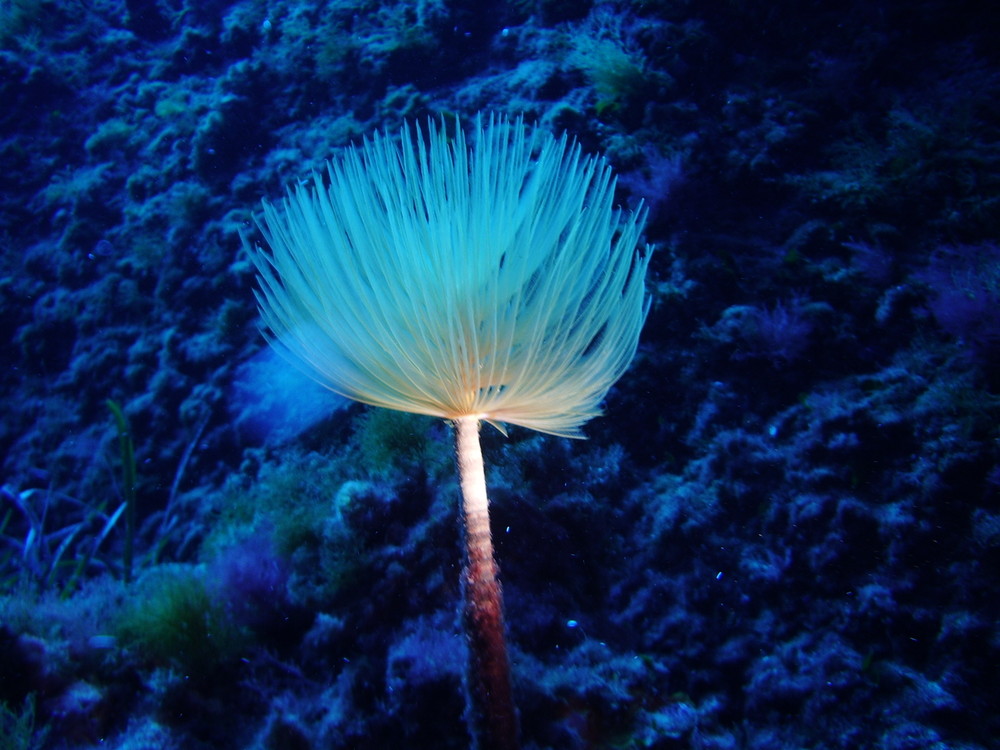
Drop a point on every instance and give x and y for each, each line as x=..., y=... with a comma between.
x=491, y=279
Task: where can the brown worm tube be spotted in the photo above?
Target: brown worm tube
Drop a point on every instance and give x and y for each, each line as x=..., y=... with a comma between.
x=491, y=714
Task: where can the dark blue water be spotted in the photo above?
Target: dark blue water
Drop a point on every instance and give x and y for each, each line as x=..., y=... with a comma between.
x=783, y=532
